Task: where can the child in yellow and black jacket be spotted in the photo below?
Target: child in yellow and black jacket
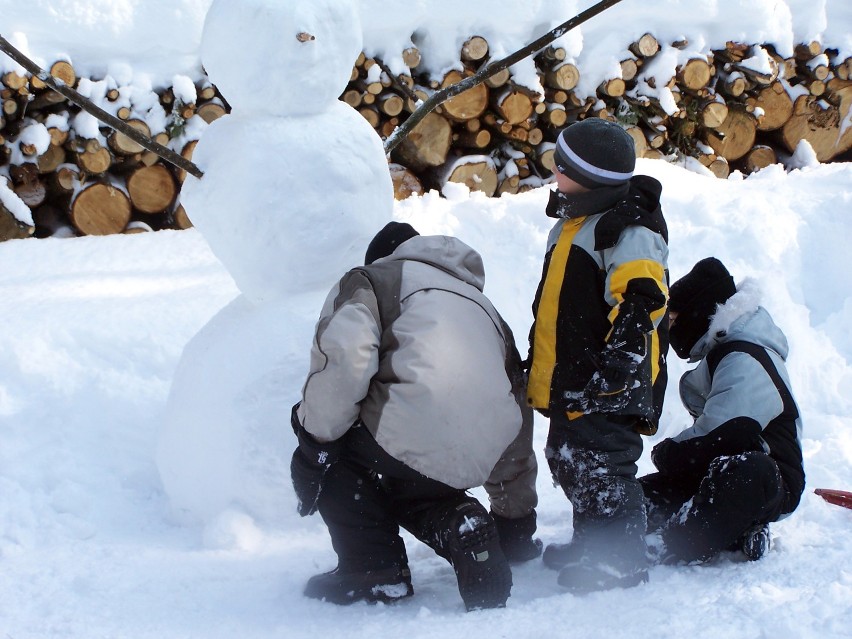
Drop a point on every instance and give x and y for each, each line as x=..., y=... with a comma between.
x=597, y=349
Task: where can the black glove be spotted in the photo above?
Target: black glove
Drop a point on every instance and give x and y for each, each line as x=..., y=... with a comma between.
x=609, y=389
x=664, y=456
x=516, y=537
x=692, y=457
x=311, y=460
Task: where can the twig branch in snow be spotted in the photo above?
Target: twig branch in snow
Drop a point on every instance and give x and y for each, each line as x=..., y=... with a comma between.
x=90, y=107
x=490, y=69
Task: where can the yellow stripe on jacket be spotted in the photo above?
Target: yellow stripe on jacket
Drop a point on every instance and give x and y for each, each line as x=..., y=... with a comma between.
x=544, y=339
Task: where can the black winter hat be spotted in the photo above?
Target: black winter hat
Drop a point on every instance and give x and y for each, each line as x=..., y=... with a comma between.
x=386, y=240
x=694, y=297
x=595, y=152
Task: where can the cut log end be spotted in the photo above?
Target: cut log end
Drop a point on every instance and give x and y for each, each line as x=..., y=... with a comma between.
x=100, y=209
x=152, y=189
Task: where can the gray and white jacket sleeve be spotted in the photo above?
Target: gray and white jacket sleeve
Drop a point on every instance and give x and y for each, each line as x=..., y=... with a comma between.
x=344, y=358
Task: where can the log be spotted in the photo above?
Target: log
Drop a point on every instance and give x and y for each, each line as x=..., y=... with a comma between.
x=352, y=97
x=556, y=115
x=629, y=69
x=645, y=47
x=411, y=57
x=371, y=115
x=640, y=144
x=509, y=184
x=759, y=77
x=550, y=56
x=733, y=52
x=759, y=157
x=64, y=181
x=695, y=74
x=545, y=161
x=732, y=84
x=475, y=49
x=428, y=143
x=95, y=159
x=735, y=136
x=776, y=105
x=152, y=189
x=391, y=104
x=712, y=113
x=468, y=104
x=477, y=173
x=405, y=183
x=612, y=88
x=100, y=209
x=825, y=128
x=180, y=219
x=513, y=105
x=14, y=81
x=720, y=168
x=58, y=136
x=843, y=70
x=64, y=72
x=28, y=185
x=11, y=228
x=565, y=77
x=806, y=50
x=478, y=139
x=137, y=226
x=499, y=79
x=186, y=153
x=123, y=145
x=148, y=157
x=50, y=160
x=211, y=111
x=388, y=126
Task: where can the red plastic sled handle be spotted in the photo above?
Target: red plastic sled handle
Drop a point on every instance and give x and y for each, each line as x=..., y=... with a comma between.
x=837, y=497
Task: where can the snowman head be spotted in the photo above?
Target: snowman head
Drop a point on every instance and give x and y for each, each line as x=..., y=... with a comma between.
x=283, y=58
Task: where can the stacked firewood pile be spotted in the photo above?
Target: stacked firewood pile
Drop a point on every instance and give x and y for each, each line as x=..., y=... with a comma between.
x=740, y=107
x=79, y=177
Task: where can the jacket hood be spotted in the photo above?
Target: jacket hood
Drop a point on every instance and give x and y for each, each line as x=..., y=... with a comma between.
x=446, y=253
x=742, y=318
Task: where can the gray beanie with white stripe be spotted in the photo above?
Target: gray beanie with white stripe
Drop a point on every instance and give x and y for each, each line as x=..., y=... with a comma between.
x=595, y=153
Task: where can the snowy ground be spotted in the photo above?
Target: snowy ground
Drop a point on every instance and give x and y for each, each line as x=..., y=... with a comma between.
x=94, y=329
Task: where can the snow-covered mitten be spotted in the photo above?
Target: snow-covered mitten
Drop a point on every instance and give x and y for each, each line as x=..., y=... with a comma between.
x=609, y=389
x=309, y=464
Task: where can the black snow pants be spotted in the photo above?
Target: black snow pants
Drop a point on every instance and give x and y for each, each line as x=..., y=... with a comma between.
x=367, y=495
x=593, y=459
x=697, y=521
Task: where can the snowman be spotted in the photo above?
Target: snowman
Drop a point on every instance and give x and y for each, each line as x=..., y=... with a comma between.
x=295, y=184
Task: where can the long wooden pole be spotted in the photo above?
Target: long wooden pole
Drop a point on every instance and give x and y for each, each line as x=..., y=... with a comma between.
x=486, y=71
x=87, y=105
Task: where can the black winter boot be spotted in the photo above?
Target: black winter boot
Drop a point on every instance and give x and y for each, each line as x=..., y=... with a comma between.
x=582, y=571
x=473, y=548
x=589, y=577
x=557, y=556
x=755, y=542
x=346, y=587
x=516, y=537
